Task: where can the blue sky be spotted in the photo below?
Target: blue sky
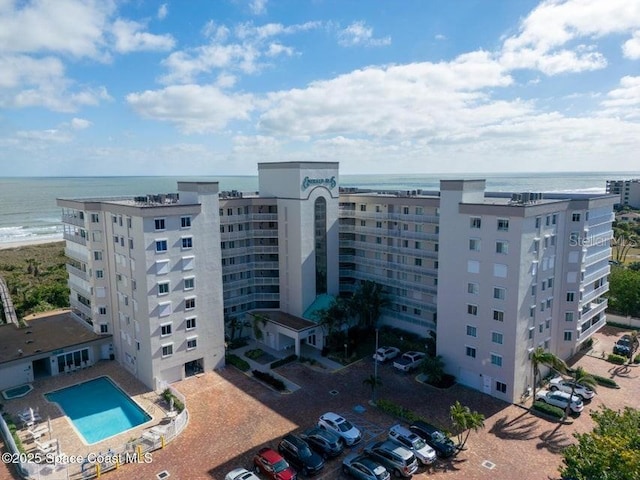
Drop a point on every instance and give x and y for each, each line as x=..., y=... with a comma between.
x=212, y=87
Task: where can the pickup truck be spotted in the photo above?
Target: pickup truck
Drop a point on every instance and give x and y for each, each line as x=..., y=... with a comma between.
x=408, y=361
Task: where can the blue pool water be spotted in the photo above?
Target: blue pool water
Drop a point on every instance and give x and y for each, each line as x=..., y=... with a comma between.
x=98, y=409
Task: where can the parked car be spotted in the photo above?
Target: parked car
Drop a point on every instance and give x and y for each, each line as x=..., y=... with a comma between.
x=408, y=361
x=270, y=463
x=561, y=400
x=333, y=422
x=623, y=346
x=386, y=353
x=240, y=474
x=364, y=468
x=326, y=443
x=435, y=438
x=395, y=458
x=582, y=391
x=297, y=452
x=411, y=441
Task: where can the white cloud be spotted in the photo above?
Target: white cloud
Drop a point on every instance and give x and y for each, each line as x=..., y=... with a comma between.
x=359, y=34
x=44, y=136
x=163, y=11
x=258, y=7
x=625, y=100
x=276, y=49
x=192, y=108
x=547, y=35
x=631, y=48
x=440, y=37
x=130, y=37
x=80, y=123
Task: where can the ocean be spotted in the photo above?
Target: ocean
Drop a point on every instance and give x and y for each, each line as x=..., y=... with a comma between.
x=28, y=209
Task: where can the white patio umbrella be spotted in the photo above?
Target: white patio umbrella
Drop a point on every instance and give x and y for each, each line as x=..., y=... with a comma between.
x=49, y=426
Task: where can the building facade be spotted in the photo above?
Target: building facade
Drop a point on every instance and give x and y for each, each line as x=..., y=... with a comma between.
x=493, y=275
x=628, y=192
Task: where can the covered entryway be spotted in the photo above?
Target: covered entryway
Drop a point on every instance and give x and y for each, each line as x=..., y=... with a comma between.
x=283, y=331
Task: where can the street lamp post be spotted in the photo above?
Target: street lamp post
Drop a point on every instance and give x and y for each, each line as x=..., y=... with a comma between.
x=375, y=370
x=345, y=352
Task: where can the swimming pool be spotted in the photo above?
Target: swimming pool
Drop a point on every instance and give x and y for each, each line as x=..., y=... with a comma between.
x=98, y=409
x=17, y=392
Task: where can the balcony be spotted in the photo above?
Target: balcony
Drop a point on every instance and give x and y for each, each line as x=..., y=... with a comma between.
x=73, y=219
x=596, y=257
x=594, y=294
x=77, y=272
x=75, y=238
x=77, y=255
x=593, y=276
x=592, y=309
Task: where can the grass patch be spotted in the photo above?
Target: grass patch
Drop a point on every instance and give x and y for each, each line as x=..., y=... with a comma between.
x=270, y=380
x=254, y=354
x=237, y=362
x=284, y=361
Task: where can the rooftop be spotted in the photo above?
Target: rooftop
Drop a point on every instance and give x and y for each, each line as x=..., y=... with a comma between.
x=285, y=319
x=43, y=334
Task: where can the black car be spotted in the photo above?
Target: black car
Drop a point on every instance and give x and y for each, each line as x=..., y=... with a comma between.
x=435, y=438
x=297, y=452
x=623, y=346
x=324, y=442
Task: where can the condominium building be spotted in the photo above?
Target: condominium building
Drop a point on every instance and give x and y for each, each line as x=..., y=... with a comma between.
x=628, y=192
x=493, y=275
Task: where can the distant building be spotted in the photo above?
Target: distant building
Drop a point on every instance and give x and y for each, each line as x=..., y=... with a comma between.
x=495, y=275
x=628, y=192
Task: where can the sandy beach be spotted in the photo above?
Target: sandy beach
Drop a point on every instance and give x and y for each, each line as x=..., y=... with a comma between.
x=25, y=243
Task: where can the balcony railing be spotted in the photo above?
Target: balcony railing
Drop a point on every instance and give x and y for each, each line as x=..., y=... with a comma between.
x=75, y=238
x=76, y=255
x=72, y=270
x=73, y=220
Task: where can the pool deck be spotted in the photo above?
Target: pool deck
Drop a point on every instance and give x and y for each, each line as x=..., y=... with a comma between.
x=61, y=427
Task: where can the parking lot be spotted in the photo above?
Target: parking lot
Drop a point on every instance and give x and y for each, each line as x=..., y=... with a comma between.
x=232, y=416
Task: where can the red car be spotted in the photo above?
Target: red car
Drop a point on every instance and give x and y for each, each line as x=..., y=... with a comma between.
x=272, y=464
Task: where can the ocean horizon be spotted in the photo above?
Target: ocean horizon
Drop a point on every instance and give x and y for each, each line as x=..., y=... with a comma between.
x=28, y=209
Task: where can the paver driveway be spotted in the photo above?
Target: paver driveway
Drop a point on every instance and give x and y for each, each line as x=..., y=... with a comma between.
x=233, y=415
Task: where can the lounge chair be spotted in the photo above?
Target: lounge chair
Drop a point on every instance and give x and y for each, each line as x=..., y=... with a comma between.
x=29, y=417
x=38, y=431
x=47, y=447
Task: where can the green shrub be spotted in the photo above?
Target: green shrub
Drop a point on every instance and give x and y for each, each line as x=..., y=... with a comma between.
x=637, y=359
x=270, y=380
x=237, y=343
x=605, y=382
x=177, y=403
x=617, y=359
x=237, y=362
x=13, y=428
x=548, y=409
x=398, y=411
x=587, y=344
x=283, y=361
x=254, y=354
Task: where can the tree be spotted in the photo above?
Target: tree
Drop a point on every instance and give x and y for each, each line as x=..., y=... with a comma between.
x=433, y=368
x=624, y=291
x=374, y=382
x=465, y=421
x=333, y=318
x=258, y=320
x=232, y=324
x=541, y=357
x=624, y=238
x=582, y=377
x=610, y=451
x=368, y=301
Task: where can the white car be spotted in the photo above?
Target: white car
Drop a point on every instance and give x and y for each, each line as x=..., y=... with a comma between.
x=582, y=391
x=386, y=353
x=240, y=474
x=560, y=400
x=333, y=422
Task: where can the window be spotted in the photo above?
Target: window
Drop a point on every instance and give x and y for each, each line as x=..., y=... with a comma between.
x=161, y=246
x=542, y=306
x=104, y=328
x=95, y=218
x=547, y=323
x=192, y=343
x=162, y=267
x=501, y=387
x=167, y=350
x=502, y=247
x=363, y=207
x=473, y=266
x=187, y=242
x=568, y=316
x=189, y=283
x=571, y=296
x=131, y=243
x=191, y=323
x=532, y=312
x=102, y=310
x=575, y=217
x=475, y=222
x=470, y=352
x=554, y=219
x=97, y=255
x=496, y=360
x=418, y=262
x=189, y=303
x=166, y=329
x=474, y=244
x=159, y=224
x=503, y=225
x=538, y=222
x=471, y=331
x=549, y=302
x=531, y=330
x=99, y=273
x=499, y=270
x=163, y=288
x=473, y=288
x=496, y=337
x=498, y=315
x=568, y=334
x=164, y=309
x=378, y=224
x=499, y=293
x=188, y=263
x=114, y=219
x=550, y=282
x=472, y=309
x=536, y=246
x=533, y=290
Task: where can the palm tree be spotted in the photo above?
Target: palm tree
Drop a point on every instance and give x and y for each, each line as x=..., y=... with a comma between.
x=541, y=357
x=635, y=343
x=582, y=377
x=433, y=368
x=465, y=421
x=257, y=320
x=373, y=382
x=368, y=301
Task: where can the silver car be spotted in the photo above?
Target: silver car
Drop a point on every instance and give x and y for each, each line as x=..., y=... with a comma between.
x=396, y=459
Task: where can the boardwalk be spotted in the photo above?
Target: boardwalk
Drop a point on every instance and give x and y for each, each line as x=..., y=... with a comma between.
x=7, y=303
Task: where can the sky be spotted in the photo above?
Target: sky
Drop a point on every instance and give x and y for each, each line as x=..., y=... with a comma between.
x=213, y=87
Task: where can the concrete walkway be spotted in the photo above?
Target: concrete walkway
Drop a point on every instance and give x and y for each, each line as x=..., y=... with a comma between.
x=7, y=303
